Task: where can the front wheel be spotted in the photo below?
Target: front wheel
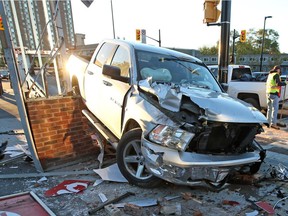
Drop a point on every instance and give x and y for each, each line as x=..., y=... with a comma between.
x=131, y=162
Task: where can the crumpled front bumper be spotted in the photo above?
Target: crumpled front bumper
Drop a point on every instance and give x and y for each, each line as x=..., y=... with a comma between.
x=188, y=168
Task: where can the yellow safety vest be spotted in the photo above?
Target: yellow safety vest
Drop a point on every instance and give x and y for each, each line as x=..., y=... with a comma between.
x=271, y=85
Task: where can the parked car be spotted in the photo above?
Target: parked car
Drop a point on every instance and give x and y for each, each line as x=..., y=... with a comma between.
x=166, y=115
x=5, y=75
x=260, y=76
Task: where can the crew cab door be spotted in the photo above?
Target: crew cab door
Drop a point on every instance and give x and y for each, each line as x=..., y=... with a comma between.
x=106, y=94
x=116, y=90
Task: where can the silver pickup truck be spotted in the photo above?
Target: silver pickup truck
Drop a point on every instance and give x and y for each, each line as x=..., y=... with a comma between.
x=169, y=117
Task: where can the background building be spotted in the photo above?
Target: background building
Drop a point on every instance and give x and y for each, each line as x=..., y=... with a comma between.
x=253, y=61
x=34, y=18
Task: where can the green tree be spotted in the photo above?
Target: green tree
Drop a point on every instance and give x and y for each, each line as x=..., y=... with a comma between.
x=253, y=44
x=209, y=51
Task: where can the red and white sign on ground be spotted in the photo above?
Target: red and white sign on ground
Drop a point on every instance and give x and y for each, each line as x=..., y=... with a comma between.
x=67, y=187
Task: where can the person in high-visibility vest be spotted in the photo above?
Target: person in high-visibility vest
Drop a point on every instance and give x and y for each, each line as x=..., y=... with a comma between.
x=273, y=90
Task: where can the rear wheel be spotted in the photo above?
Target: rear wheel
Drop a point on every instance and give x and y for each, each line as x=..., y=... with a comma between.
x=131, y=162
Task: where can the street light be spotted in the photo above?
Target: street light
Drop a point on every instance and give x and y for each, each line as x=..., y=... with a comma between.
x=263, y=38
x=112, y=19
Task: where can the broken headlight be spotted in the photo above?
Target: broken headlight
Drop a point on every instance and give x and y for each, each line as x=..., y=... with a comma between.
x=171, y=137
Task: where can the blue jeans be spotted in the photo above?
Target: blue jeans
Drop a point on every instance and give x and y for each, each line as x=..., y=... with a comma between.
x=272, y=108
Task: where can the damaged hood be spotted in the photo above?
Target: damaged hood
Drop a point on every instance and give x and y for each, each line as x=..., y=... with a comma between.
x=218, y=106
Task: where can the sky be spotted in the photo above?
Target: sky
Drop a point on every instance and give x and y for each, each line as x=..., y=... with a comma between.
x=180, y=22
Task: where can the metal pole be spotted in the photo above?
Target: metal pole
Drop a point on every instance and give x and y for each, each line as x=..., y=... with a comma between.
x=159, y=38
x=112, y=19
x=223, y=55
x=14, y=75
x=24, y=59
x=233, y=48
x=34, y=29
x=263, y=39
x=51, y=43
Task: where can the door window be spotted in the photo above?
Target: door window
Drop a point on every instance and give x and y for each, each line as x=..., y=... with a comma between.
x=121, y=59
x=105, y=54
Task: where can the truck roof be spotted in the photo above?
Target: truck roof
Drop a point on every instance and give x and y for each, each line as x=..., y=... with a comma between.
x=151, y=48
x=231, y=66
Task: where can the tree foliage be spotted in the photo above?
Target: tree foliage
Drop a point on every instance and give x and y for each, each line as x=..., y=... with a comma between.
x=253, y=44
x=209, y=50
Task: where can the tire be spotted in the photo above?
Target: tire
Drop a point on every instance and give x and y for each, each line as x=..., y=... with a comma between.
x=131, y=162
x=253, y=102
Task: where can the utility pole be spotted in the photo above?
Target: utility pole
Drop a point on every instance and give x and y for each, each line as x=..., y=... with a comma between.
x=233, y=60
x=223, y=54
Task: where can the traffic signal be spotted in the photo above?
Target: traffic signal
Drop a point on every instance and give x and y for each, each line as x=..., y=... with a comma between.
x=243, y=36
x=1, y=24
x=138, y=34
x=211, y=13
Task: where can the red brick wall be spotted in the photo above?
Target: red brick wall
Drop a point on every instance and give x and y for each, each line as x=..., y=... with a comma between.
x=60, y=130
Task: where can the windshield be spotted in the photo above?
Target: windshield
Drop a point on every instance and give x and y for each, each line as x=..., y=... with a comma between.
x=184, y=72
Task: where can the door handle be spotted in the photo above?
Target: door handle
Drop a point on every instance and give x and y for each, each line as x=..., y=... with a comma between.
x=107, y=83
x=90, y=73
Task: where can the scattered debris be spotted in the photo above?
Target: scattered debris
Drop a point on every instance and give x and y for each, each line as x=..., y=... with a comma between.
x=189, y=196
x=284, y=198
x=12, y=159
x=102, y=197
x=112, y=210
x=68, y=186
x=246, y=179
x=186, y=196
x=132, y=209
x=265, y=206
x=147, y=202
x=42, y=179
x=254, y=213
x=98, y=181
x=94, y=210
x=141, y=203
x=111, y=173
x=16, y=150
x=280, y=194
x=13, y=132
x=2, y=149
x=280, y=172
x=230, y=202
x=170, y=208
x=100, y=157
x=197, y=213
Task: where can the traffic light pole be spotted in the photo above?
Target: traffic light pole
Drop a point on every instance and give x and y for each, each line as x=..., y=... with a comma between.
x=223, y=54
x=233, y=60
x=159, y=41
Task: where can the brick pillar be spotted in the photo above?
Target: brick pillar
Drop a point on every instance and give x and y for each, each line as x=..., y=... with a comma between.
x=60, y=130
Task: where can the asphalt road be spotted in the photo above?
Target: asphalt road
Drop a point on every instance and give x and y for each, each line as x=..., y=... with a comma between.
x=237, y=198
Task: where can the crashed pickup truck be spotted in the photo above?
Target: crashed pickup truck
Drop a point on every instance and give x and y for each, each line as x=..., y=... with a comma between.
x=168, y=114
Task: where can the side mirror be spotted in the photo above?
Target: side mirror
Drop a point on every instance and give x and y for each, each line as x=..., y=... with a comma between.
x=114, y=73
